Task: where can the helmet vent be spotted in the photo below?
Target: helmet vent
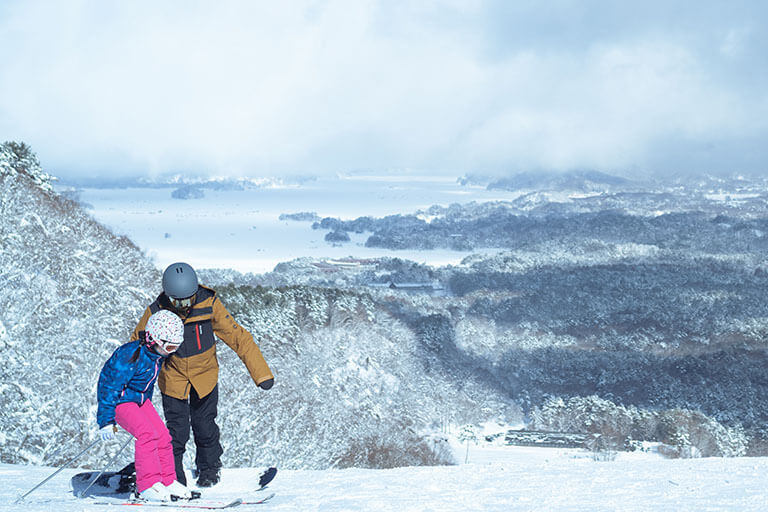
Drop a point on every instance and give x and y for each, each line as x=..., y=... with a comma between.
x=179, y=280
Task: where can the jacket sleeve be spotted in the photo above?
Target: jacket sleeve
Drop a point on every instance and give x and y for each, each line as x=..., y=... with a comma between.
x=241, y=341
x=141, y=325
x=114, y=377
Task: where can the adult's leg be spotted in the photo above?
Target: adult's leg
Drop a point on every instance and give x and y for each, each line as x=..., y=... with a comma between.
x=203, y=415
x=177, y=420
x=131, y=418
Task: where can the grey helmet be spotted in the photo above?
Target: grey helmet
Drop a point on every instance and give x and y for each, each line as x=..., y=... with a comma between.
x=179, y=281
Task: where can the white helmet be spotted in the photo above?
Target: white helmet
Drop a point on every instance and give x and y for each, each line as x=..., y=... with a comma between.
x=166, y=329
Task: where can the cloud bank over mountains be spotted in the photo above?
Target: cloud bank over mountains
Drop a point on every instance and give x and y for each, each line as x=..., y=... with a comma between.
x=243, y=88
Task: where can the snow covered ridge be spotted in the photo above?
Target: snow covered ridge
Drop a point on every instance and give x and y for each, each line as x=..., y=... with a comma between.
x=684, y=214
x=16, y=158
x=610, y=219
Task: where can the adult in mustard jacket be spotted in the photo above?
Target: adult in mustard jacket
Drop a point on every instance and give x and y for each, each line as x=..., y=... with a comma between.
x=188, y=380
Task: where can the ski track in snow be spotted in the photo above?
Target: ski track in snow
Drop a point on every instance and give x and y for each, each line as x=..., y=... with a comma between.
x=499, y=479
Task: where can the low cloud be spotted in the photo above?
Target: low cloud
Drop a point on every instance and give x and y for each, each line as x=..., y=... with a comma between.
x=324, y=87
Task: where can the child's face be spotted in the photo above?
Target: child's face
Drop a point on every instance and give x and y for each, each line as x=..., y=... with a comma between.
x=165, y=352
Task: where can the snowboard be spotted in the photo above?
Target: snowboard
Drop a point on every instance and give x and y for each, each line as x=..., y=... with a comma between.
x=109, y=483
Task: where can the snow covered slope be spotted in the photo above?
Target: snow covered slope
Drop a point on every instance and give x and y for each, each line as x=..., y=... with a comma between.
x=511, y=479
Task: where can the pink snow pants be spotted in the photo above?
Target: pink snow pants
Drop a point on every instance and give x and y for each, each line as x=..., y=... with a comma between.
x=154, y=455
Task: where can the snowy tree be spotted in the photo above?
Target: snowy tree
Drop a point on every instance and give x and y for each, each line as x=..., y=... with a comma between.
x=467, y=435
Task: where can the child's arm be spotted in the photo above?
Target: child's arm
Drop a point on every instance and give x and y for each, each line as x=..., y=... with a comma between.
x=114, y=377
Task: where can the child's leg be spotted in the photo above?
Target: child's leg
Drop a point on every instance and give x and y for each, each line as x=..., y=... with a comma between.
x=164, y=448
x=133, y=419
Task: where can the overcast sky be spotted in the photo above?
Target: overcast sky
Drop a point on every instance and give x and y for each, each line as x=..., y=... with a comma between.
x=456, y=86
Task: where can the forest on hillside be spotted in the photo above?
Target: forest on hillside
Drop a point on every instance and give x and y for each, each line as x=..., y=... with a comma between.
x=630, y=325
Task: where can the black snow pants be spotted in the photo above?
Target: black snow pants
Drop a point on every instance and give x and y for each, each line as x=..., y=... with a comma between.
x=200, y=414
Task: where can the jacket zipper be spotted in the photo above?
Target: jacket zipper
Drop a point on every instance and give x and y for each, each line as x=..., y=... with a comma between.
x=198, y=328
x=148, y=383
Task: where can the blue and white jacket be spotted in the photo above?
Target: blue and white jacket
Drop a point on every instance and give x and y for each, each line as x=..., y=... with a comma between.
x=124, y=381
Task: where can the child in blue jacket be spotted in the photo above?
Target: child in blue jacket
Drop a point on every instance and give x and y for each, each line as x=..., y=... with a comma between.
x=124, y=393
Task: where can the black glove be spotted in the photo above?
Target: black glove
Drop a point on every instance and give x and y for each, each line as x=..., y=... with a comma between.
x=267, y=384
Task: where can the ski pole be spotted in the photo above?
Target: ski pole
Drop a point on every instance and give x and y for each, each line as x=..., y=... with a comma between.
x=70, y=461
x=93, y=480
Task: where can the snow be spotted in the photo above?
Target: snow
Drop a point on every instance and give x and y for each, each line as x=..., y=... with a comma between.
x=497, y=478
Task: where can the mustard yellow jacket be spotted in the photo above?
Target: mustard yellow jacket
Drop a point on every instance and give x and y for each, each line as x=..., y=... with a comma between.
x=195, y=363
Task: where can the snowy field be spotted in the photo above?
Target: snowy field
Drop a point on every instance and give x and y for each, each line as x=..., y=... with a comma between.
x=495, y=479
x=240, y=229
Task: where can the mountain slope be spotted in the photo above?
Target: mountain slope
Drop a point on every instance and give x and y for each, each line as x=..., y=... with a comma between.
x=71, y=290
x=351, y=388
